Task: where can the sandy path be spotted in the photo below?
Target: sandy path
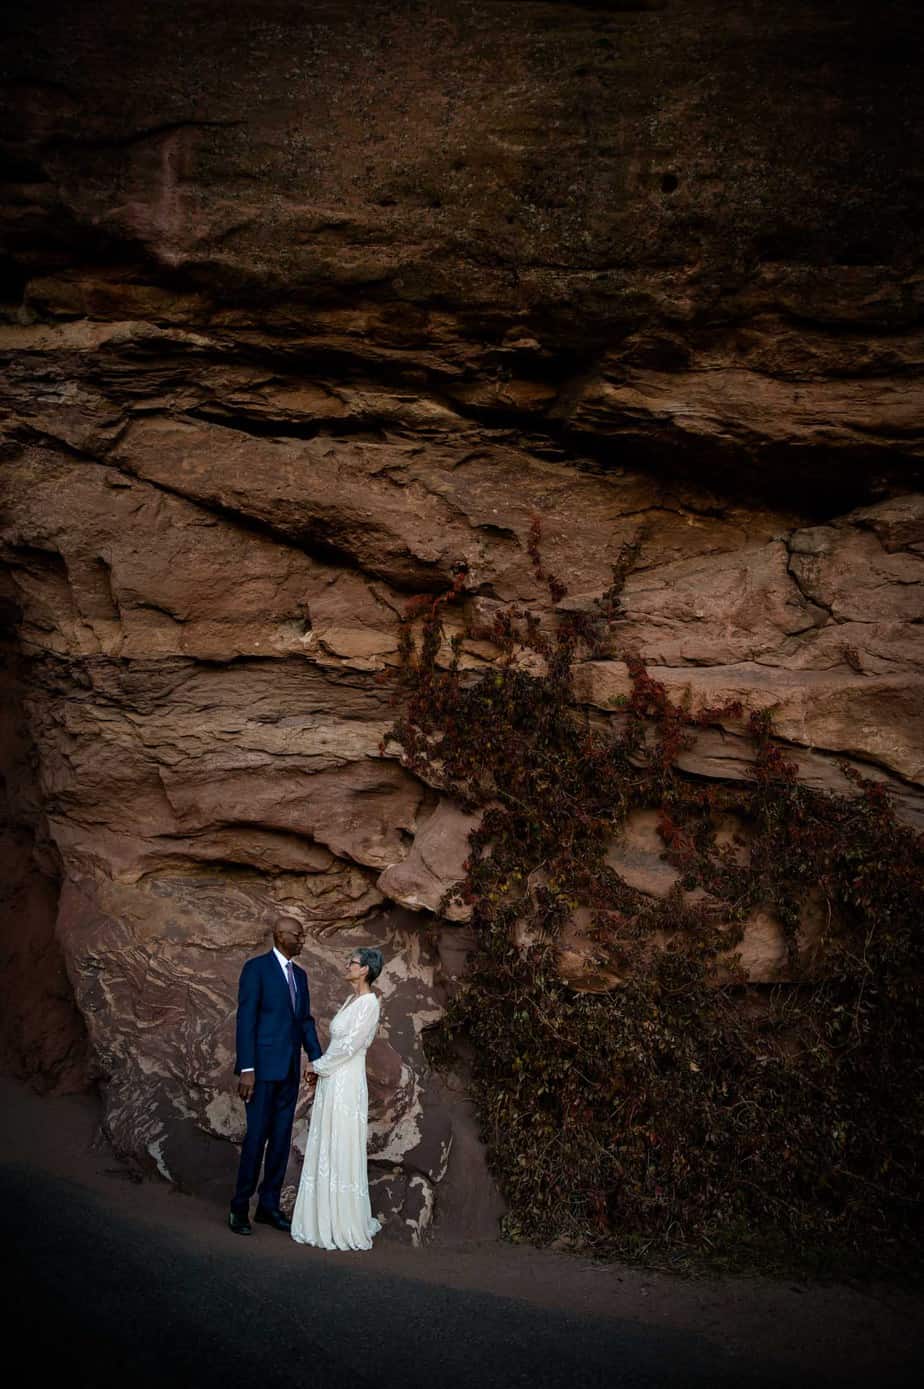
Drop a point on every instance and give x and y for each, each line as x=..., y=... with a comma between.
x=91, y=1247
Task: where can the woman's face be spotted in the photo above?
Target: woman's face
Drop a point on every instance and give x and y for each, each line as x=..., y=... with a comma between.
x=355, y=970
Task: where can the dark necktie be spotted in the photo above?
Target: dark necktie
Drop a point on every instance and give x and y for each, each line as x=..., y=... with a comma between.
x=290, y=975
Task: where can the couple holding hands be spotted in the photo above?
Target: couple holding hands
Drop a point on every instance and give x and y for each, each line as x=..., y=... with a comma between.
x=274, y=1022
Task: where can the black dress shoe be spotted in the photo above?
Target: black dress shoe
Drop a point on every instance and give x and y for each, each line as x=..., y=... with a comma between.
x=274, y=1218
x=239, y=1224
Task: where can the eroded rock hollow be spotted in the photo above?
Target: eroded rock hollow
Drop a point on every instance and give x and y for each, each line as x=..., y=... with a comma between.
x=306, y=304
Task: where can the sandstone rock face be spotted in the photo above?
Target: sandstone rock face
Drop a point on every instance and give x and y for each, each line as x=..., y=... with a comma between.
x=304, y=305
x=435, y=864
x=42, y=1034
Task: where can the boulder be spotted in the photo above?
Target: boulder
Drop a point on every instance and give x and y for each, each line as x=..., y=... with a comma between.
x=435, y=864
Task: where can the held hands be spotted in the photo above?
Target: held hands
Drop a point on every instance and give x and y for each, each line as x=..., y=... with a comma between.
x=245, y=1083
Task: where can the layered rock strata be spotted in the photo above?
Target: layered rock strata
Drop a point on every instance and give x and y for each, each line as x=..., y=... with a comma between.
x=307, y=305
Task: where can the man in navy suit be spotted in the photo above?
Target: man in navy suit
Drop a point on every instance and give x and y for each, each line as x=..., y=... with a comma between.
x=274, y=1022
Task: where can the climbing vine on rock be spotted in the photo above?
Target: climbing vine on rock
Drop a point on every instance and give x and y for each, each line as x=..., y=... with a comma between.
x=664, y=1104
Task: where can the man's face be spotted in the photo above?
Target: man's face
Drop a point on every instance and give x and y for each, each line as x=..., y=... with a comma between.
x=289, y=937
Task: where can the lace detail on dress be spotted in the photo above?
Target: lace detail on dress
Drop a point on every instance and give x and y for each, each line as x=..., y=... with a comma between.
x=332, y=1208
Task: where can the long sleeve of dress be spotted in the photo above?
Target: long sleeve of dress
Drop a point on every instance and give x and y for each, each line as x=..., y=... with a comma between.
x=309, y=1031
x=364, y=1016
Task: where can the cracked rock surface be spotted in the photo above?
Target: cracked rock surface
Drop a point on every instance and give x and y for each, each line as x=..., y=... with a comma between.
x=302, y=305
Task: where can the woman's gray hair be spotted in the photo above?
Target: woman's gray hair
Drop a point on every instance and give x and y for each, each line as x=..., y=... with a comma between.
x=373, y=960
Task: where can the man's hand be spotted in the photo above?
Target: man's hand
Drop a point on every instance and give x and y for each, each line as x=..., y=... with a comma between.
x=245, y=1086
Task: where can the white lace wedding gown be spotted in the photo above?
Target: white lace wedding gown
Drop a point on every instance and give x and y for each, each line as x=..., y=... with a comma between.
x=332, y=1208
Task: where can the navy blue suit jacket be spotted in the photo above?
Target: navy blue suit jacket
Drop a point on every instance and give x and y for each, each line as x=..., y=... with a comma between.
x=270, y=1034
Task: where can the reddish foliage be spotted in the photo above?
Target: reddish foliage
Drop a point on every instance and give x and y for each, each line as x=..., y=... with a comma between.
x=663, y=1113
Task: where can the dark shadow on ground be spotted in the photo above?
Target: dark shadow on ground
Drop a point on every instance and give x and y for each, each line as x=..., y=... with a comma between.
x=111, y=1282
x=106, y=1302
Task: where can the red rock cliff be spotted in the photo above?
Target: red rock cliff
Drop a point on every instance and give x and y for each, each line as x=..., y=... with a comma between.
x=305, y=303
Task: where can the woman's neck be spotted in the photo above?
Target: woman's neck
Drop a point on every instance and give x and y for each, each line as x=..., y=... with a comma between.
x=361, y=988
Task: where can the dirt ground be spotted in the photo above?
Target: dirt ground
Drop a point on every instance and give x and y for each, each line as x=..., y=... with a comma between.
x=532, y=1316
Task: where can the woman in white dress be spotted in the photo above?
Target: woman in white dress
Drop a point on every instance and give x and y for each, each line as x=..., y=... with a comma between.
x=332, y=1209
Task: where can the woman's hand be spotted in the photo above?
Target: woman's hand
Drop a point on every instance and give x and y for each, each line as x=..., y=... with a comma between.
x=310, y=1077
